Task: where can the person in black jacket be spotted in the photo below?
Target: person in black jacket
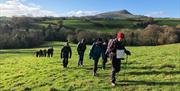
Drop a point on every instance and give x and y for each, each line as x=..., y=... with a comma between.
x=44, y=52
x=50, y=52
x=40, y=53
x=37, y=53
x=66, y=53
x=81, y=49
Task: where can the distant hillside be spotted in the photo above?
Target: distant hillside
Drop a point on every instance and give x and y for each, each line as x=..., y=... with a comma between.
x=122, y=14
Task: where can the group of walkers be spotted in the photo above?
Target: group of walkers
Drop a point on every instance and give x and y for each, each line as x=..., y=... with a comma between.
x=112, y=49
x=45, y=53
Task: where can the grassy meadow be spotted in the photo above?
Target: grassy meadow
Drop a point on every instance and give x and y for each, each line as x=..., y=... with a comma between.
x=152, y=68
x=102, y=25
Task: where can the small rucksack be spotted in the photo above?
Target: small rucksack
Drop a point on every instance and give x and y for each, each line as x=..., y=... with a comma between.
x=110, y=46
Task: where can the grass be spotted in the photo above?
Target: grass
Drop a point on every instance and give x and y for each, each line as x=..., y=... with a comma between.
x=153, y=68
x=79, y=24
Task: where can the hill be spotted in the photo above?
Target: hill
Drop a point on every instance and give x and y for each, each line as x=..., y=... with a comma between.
x=121, y=14
x=149, y=68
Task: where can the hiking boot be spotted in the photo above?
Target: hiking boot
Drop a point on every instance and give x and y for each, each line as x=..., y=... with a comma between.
x=113, y=84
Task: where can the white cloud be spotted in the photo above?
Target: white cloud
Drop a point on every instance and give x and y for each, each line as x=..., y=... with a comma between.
x=157, y=14
x=80, y=13
x=17, y=8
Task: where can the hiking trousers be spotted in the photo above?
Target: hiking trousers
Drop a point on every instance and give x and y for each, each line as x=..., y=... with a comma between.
x=116, y=65
x=65, y=62
x=104, y=61
x=95, y=65
x=81, y=58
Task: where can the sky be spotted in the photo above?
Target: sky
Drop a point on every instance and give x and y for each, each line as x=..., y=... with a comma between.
x=38, y=8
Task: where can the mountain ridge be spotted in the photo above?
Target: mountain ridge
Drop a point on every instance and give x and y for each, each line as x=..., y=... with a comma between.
x=119, y=14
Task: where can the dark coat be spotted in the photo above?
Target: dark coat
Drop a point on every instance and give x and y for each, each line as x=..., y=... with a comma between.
x=81, y=47
x=66, y=52
x=95, y=51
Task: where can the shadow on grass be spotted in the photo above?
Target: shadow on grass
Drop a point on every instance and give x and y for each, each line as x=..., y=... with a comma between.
x=18, y=52
x=55, y=45
x=150, y=83
x=52, y=45
x=134, y=67
x=154, y=73
x=129, y=63
x=90, y=67
x=143, y=67
x=84, y=67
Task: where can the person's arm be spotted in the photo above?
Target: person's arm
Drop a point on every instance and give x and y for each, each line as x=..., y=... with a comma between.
x=125, y=50
x=78, y=46
x=91, y=51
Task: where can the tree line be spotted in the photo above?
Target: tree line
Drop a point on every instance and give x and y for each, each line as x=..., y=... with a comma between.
x=23, y=32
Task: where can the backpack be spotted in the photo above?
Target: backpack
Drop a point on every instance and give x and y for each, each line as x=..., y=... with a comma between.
x=81, y=47
x=110, y=46
x=95, y=51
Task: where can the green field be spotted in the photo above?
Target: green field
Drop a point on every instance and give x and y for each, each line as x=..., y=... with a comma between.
x=94, y=25
x=153, y=68
x=103, y=25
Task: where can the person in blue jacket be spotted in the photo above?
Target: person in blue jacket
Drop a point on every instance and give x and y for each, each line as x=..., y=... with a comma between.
x=95, y=54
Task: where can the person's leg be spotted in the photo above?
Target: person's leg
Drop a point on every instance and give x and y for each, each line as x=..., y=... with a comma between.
x=52, y=54
x=64, y=62
x=115, y=69
x=118, y=66
x=48, y=54
x=103, y=63
x=104, y=60
x=113, y=73
x=95, y=67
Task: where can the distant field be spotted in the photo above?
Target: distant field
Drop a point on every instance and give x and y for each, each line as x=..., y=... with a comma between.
x=153, y=68
x=106, y=25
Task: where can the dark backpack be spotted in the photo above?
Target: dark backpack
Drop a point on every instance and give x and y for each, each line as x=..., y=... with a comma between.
x=81, y=47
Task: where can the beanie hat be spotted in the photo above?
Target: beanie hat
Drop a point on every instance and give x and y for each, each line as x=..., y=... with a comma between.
x=120, y=35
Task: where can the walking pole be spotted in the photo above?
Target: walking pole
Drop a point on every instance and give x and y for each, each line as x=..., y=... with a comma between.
x=125, y=68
